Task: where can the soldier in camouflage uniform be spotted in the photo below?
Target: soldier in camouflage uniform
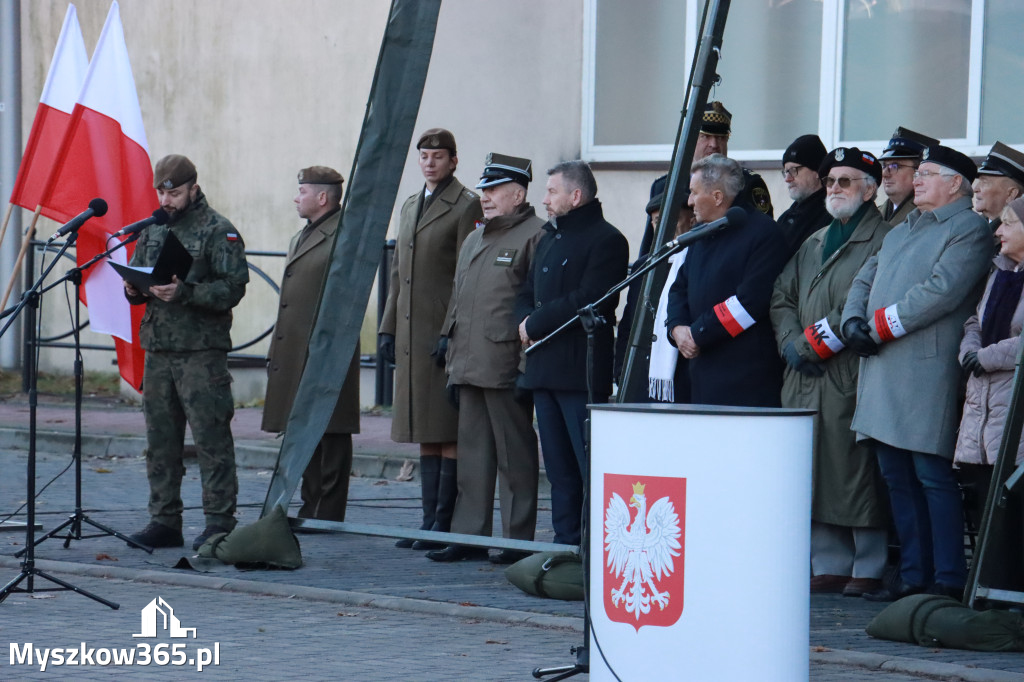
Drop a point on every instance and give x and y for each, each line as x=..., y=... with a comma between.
x=186, y=335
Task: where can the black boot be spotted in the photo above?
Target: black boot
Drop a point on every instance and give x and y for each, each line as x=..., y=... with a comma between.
x=447, y=491
x=430, y=474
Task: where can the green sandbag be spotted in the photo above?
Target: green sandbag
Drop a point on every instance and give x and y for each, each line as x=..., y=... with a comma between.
x=269, y=542
x=938, y=621
x=553, y=575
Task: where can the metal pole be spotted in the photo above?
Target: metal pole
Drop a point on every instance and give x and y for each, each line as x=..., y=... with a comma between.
x=385, y=371
x=10, y=151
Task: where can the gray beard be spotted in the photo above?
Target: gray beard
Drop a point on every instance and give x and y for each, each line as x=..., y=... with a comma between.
x=844, y=212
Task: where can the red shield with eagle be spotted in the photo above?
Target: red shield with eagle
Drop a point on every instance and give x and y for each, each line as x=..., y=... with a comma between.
x=644, y=532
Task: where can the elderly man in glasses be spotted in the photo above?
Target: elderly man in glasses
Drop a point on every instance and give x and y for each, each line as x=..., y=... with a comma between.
x=800, y=172
x=1000, y=181
x=899, y=161
x=849, y=519
x=904, y=316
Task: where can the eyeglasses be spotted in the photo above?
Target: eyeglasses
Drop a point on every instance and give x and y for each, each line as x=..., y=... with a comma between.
x=844, y=183
x=788, y=173
x=928, y=174
x=895, y=167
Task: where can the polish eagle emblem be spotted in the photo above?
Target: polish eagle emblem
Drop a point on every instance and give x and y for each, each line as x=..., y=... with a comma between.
x=640, y=552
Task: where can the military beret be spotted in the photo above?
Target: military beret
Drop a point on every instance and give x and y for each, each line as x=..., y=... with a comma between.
x=852, y=157
x=806, y=150
x=501, y=168
x=906, y=144
x=1004, y=160
x=437, y=138
x=655, y=203
x=716, y=120
x=320, y=175
x=174, y=170
x=951, y=159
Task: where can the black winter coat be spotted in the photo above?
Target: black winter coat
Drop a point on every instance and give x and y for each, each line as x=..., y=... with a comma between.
x=803, y=219
x=579, y=258
x=735, y=366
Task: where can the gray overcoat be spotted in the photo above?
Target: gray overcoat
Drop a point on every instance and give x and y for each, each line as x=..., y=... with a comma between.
x=847, y=488
x=929, y=267
x=422, y=273
x=300, y=290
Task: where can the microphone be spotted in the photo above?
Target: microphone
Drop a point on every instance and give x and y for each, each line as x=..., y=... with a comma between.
x=735, y=217
x=159, y=217
x=97, y=207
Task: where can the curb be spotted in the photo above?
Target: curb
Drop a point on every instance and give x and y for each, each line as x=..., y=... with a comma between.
x=317, y=594
x=912, y=666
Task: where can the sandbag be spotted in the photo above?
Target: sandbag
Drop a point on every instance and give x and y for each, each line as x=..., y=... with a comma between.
x=552, y=575
x=939, y=621
x=268, y=543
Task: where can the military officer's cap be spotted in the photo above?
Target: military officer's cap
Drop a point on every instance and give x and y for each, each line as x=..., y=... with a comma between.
x=501, y=168
x=1004, y=160
x=320, y=175
x=174, y=170
x=437, y=138
x=716, y=120
x=951, y=159
x=852, y=158
x=655, y=203
x=806, y=150
x=906, y=144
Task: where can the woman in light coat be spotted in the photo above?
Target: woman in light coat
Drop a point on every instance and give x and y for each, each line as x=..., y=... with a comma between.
x=989, y=353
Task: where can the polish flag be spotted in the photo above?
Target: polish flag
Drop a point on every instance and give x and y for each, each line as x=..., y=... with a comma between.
x=63, y=83
x=105, y=155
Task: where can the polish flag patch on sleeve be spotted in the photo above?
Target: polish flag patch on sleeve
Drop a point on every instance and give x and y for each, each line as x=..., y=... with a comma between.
x=232, y=236
x=823, y=340
x=888, y=325
x=733, y=316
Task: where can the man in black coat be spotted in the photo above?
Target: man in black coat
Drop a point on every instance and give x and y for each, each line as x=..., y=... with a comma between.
x=579, y=258
x=718, y=305
x=808, y=214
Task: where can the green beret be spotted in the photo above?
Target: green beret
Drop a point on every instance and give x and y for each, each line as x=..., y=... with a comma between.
x=174, y=170
x=437, y=138
x=320, y=175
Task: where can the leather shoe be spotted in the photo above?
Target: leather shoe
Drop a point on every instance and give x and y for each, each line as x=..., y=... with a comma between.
x=427, y=544
x=894, y=594
x=828, y=584
x=208, y=533
x=458, y=553
x=156, y=535
x=404, y=543
x=508, y=556
x=859, y=586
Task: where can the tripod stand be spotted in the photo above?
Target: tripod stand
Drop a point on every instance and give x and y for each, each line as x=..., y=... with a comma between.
x=28, y=568
x=78, y=517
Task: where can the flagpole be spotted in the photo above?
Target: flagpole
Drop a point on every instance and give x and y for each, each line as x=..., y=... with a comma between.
x=7, y=219
x=21, y=255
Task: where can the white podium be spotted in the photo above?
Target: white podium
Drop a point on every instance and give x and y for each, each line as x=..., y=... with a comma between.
x=700, y=542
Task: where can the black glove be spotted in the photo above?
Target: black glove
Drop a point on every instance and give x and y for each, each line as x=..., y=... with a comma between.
x=451, y=392
x=386, y=347
x=440, y=351
x=857, y=335
x=520, y=393
x=798, y=363
x=972, y=364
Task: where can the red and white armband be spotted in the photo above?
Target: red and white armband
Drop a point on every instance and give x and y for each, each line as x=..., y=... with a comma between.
x=888, y=325
x=733, y=316
x=824, y=342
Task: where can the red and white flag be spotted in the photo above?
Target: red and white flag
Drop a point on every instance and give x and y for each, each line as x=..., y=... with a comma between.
x=105, y=155
x=60, y=92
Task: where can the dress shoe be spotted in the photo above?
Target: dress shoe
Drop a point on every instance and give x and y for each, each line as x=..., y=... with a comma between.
x=828, y=584
x=426, y=544
x=208, y=533
x=458, y=553
x=893, y=594
x=508, y=556
x=859, y=586
x=157, y=535
x=946, y=591
x=404, y=543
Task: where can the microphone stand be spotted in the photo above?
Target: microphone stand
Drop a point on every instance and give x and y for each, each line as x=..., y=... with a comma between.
x=591, y=321
x=28, y=567
x=75, y=521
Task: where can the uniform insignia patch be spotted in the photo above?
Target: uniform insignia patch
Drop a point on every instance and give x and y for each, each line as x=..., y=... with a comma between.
x=840, y=153
x=761, y=199
x=478, y=224
x=232, y=236
x=505, y=257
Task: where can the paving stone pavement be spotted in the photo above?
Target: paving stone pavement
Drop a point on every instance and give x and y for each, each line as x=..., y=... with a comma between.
x=357, y=609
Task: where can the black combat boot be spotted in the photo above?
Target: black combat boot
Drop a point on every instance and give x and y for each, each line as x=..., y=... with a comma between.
x=430, y=474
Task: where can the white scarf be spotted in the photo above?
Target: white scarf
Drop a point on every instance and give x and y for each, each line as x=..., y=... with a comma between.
x=664, y=354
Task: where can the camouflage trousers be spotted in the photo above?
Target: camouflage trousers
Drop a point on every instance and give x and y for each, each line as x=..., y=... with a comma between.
x=194, y=387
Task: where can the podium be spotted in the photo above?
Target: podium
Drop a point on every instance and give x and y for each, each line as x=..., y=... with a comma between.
x=699, y=542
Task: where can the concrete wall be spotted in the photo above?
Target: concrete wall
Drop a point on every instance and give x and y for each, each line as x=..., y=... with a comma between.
x=252, y=91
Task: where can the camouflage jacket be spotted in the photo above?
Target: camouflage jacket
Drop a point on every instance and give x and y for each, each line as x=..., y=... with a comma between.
x=199, y=317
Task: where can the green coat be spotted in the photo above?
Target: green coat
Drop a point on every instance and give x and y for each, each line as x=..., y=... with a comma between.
x=422, y=274
x=300, y=291
x=847, y=489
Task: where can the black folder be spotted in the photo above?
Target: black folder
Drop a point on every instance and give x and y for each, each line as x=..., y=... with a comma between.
x=174, y=259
